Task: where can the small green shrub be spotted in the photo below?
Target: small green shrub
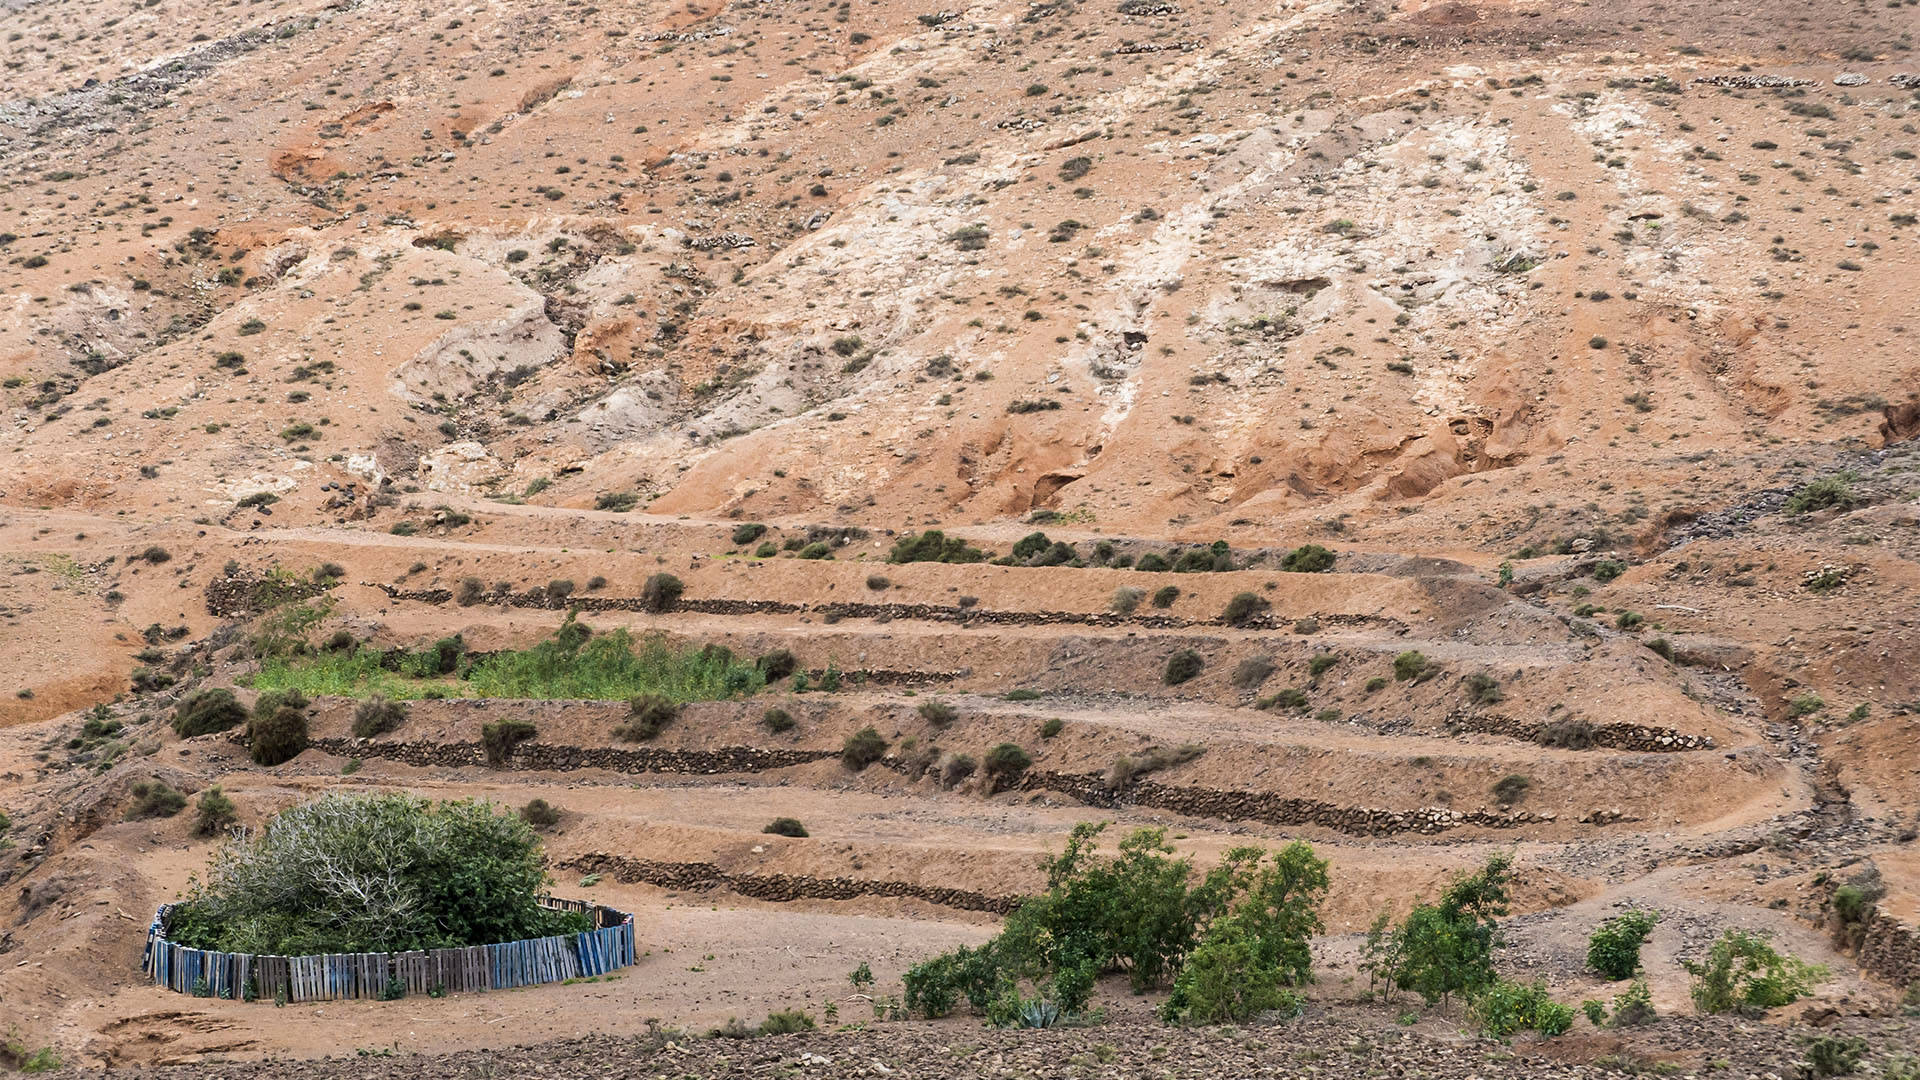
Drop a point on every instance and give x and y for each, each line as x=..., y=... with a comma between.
x=1125, y=599
x=208, y=711
x=1164, y=596
x=1308, y=559
x=748, y=533
x=1634, y=1005
x=279, y=736
x=500, y=737
x=1607, y=569
x=938, y=713
x=934, y=546
x=1248, y=674
x=1834, y=1055
x=661, y=592
x=863, y=748
x=154, y=799
x=648, y=715
x=1804, y=705
x=1744, y=974
x=1567, y=733
x=1506, y=1007
x=1318, y=664
x=377, y=716
x=777, y=665
x=1614, y=949
x=1483, y=689
x=1243, y=608
x=1409, y=665
x=1052, y=727
x=540, y=814
x=1006, y=763
x=1182, y=666
x=1511, y=789
x=786, y=826
x=1822, y=494
x=777, y=720
x=786, y=1022
x=214, y=813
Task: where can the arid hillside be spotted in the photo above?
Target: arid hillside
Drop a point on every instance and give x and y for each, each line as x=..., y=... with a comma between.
x=1426, y=429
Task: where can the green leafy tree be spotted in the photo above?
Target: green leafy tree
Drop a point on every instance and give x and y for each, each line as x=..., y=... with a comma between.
x=1446, y=948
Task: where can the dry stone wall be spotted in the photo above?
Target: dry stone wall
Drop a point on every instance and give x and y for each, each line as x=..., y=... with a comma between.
x=1273, y=808
x=952, y=613
x=780, y=888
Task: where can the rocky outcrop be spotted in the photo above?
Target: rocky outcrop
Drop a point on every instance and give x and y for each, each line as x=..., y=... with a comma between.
x=779, y=888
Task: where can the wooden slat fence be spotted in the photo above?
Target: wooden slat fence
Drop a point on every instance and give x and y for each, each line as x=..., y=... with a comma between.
x=335, y=976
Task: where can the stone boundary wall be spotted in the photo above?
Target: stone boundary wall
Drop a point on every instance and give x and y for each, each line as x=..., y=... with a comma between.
x=780, y=888
x=858, y=610
x=1090, y=788
x=1272, y=807
x=1891, y=950
x=536, y=755
x=1633, y=738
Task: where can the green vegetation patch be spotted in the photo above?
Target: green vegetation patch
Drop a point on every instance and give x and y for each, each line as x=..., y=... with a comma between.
x=574, y=663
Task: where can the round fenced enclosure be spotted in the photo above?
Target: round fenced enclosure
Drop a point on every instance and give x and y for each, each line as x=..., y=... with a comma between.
x=389, y=975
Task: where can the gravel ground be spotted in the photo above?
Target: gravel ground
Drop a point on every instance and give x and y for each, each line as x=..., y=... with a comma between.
x=1342, y=1042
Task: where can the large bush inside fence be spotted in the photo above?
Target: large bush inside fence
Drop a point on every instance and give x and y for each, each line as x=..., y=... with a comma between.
x=372, y=873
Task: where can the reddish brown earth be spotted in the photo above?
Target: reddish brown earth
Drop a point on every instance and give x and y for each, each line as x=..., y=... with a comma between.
x=1480, y=295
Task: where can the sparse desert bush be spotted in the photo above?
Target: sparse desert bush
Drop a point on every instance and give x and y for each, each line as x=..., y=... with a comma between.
x=155, y=799
x=1291, y=699
x=748, y=533
x=957, y=768
x=1409, y=665
x=277, y=733
x=214, y=813
x=377, y=716
x=934, y=546
x=1567, y=733
x=777, y=664
x=786, y=826
x=648, y=715
x=1243, y=608
x=937, y=713
x=1126, y=598
x=540, y=814
x=1308, y=559
x=863, y=748
x=1164, y=596
x=1822, y=494
x=777, y=720
x=1511, y=789
x=470, y=592
x=1181, y=666
x=1482, y=688
x=1248, y=674
x=501, y=736
x=1005, y=763
x=660, y=592
x=208, y=711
